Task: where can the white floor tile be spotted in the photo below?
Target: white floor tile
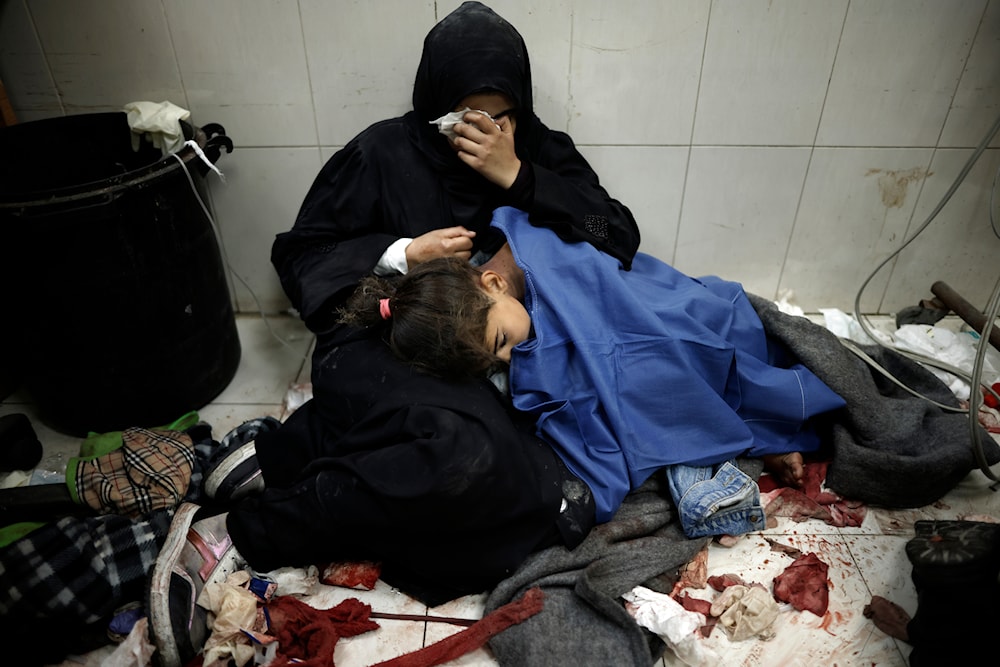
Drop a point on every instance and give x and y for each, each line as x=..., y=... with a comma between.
x=274, y=352
x=392, y=639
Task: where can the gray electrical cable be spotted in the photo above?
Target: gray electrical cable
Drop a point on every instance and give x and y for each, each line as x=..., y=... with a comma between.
x=975, y=397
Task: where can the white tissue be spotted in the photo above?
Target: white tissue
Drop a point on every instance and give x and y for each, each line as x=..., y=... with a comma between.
x=447, y=122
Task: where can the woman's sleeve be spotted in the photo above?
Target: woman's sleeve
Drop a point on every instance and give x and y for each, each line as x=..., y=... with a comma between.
x=337, y=238
x=567, y=197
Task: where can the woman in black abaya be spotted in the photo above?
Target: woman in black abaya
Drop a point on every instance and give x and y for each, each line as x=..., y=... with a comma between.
x=402, y=186
x=434, y=479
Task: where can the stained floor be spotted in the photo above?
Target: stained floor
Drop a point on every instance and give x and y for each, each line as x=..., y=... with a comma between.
x=864, y=561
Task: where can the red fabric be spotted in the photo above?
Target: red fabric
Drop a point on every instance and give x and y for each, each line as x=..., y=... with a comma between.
x=474, y=636
x=804, y=584
x=989, y=399
x=309, y=634
x=703, y=607
x=721, y=582
x=810, y=501
x=352, y=574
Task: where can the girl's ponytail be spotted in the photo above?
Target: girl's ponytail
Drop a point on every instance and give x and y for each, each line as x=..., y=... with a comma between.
x=371, y=303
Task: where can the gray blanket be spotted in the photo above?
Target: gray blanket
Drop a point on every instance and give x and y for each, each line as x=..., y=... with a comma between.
x=888, y=448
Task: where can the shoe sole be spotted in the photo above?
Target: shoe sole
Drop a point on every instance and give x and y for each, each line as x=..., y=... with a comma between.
x=226, y=467
x=162, y=632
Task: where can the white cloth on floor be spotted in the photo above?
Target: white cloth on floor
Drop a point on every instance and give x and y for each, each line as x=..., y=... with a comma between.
x=161, y=121
x=232, y=609
x=746, y=611
x=675, y=625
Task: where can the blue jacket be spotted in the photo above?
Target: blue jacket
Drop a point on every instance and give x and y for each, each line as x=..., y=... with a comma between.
x=631, y=371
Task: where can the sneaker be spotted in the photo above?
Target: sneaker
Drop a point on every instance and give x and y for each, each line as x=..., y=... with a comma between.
x=195, y=553
x=234, y=471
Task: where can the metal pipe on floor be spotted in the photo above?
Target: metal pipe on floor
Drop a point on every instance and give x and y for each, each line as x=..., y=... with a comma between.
x=969, y=313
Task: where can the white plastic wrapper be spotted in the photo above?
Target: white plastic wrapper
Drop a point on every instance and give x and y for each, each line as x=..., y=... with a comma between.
x=847, y=327
x=674, y=624
x=954, y=349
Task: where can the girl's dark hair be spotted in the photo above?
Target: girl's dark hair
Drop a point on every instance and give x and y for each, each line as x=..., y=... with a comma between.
x=438, y=317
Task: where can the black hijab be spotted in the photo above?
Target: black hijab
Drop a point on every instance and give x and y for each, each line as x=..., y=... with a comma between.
x=471, y=50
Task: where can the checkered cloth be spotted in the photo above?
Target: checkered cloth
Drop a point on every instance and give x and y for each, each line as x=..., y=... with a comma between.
x=150, y=471
x=84, y=568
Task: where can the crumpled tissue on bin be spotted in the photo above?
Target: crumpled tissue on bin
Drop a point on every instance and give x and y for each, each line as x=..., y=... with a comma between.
x=675, y=625
x=232, y=609
x=161, y=121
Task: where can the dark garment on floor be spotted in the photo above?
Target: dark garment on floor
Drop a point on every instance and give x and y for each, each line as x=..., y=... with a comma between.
x=430, y=478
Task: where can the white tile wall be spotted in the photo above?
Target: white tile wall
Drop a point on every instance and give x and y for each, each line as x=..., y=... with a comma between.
x=248, y=222
x=744, y=134
x=766, y=69
x=739, y=210
x=966, y=124
x=897, y=68
x=245, y=40
x=959, y=245
x=634, y=73
x=23, y=68
x=855, y=208
x=362, y=59
x=103, y=54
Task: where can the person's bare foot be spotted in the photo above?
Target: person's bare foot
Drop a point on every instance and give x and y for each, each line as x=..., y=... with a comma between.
x=789, y=468
x=888, y=617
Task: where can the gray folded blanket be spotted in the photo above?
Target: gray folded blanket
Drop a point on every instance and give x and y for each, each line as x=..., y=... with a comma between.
x=583, y=621
x=889, y=448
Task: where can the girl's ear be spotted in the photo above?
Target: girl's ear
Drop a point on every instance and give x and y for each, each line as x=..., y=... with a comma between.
x=492, y=282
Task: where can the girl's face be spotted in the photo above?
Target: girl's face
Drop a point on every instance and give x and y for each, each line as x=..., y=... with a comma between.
x=507, y=323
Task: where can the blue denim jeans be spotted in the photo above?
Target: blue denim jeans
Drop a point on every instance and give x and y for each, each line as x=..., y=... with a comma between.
x=715, y=500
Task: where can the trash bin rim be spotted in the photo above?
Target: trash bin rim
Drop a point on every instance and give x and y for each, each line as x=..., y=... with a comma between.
x=103, y=187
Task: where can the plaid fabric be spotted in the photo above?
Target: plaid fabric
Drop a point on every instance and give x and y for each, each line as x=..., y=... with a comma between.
x=85, y=568
x=80, y=568
x=150, y=471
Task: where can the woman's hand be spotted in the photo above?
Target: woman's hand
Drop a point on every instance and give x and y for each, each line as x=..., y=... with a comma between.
x=447, y=242
x=488, y=147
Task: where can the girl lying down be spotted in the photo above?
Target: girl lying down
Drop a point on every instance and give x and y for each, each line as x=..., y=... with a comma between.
x=625, y=372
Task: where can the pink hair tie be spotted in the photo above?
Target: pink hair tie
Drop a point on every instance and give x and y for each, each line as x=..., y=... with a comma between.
x=383, y=309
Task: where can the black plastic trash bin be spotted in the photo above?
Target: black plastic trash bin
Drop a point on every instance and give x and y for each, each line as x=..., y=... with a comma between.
x=117, y=308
